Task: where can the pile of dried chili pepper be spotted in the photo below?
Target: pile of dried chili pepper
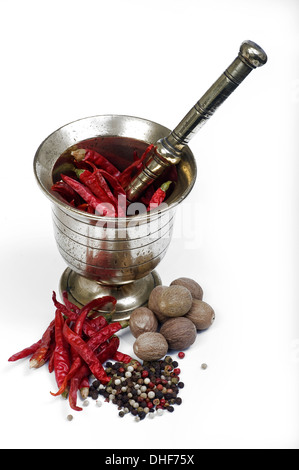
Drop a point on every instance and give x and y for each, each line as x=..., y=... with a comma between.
x=76, y=344
x=96, y=186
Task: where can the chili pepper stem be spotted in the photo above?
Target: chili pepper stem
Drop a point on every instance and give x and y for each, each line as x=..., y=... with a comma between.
x=124, y=324
x=34, y=364
x=84, y=391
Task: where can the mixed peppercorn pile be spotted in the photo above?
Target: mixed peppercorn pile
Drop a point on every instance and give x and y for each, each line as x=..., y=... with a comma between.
x=96, y=186
x=141, y=389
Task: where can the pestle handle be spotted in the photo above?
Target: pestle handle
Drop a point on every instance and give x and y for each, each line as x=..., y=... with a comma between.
x=250, y=57
x=169, y=149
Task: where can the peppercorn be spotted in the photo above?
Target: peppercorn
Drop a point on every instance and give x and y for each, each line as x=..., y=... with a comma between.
x=181, y=384
x=170, y=408
x=178, y=401
x=159, y=394
x=93, y=394
x=181, y=355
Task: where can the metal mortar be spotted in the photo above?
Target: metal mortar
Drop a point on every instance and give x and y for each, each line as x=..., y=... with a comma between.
x=108, y=256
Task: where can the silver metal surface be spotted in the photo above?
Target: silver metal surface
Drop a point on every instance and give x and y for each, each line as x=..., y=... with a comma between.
x=81, y=290
x=106, y=253
x=169, y=148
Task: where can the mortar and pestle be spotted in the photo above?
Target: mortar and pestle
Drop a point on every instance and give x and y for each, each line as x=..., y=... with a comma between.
x=118, y=256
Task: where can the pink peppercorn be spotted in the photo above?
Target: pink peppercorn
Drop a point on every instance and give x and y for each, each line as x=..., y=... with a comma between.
x=144, y=373
x=181, y=355
x=177, y=371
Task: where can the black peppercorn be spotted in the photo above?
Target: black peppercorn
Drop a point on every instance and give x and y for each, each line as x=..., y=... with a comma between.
x=94, y=394
x=181, y=384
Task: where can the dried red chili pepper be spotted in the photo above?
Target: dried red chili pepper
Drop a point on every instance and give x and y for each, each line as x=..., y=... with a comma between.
x=97, y=172
x=96, y=183
x=121, y=357
x=51, y=363
x=71, y=311
x=101, y=162
x=99, y=322
x=102, y=208
x=75, y=366
x=108, y=350
x=126, y=176
x=61, y=351
x=91, y=345
x=70, y=305
x=86, y=353
x=159, y=196
x=66, y=192
x=25, y=352
x=118, y=192
x=65, y=310
x=41, y=355
x=74, y=386
x=92, y=305
x=103, y=335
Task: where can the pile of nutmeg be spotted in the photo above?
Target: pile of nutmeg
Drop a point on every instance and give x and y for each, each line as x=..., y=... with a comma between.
x=171, y=320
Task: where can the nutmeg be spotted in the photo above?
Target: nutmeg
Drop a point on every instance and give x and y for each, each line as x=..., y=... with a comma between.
x=150, y=346
x=179, y=332
x=191, y=285
x=142, y=320
x=172, y=301
x=201, y=314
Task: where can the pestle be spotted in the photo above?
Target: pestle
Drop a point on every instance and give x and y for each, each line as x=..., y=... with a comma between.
x=168, y=150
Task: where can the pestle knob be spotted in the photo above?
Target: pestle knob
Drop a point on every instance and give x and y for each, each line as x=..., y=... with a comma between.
x=253, y=54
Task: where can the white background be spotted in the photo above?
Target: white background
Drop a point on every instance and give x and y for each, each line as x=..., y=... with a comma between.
x=236, y=234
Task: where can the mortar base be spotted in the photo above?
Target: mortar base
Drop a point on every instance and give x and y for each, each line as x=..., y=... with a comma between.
x=82, y=290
